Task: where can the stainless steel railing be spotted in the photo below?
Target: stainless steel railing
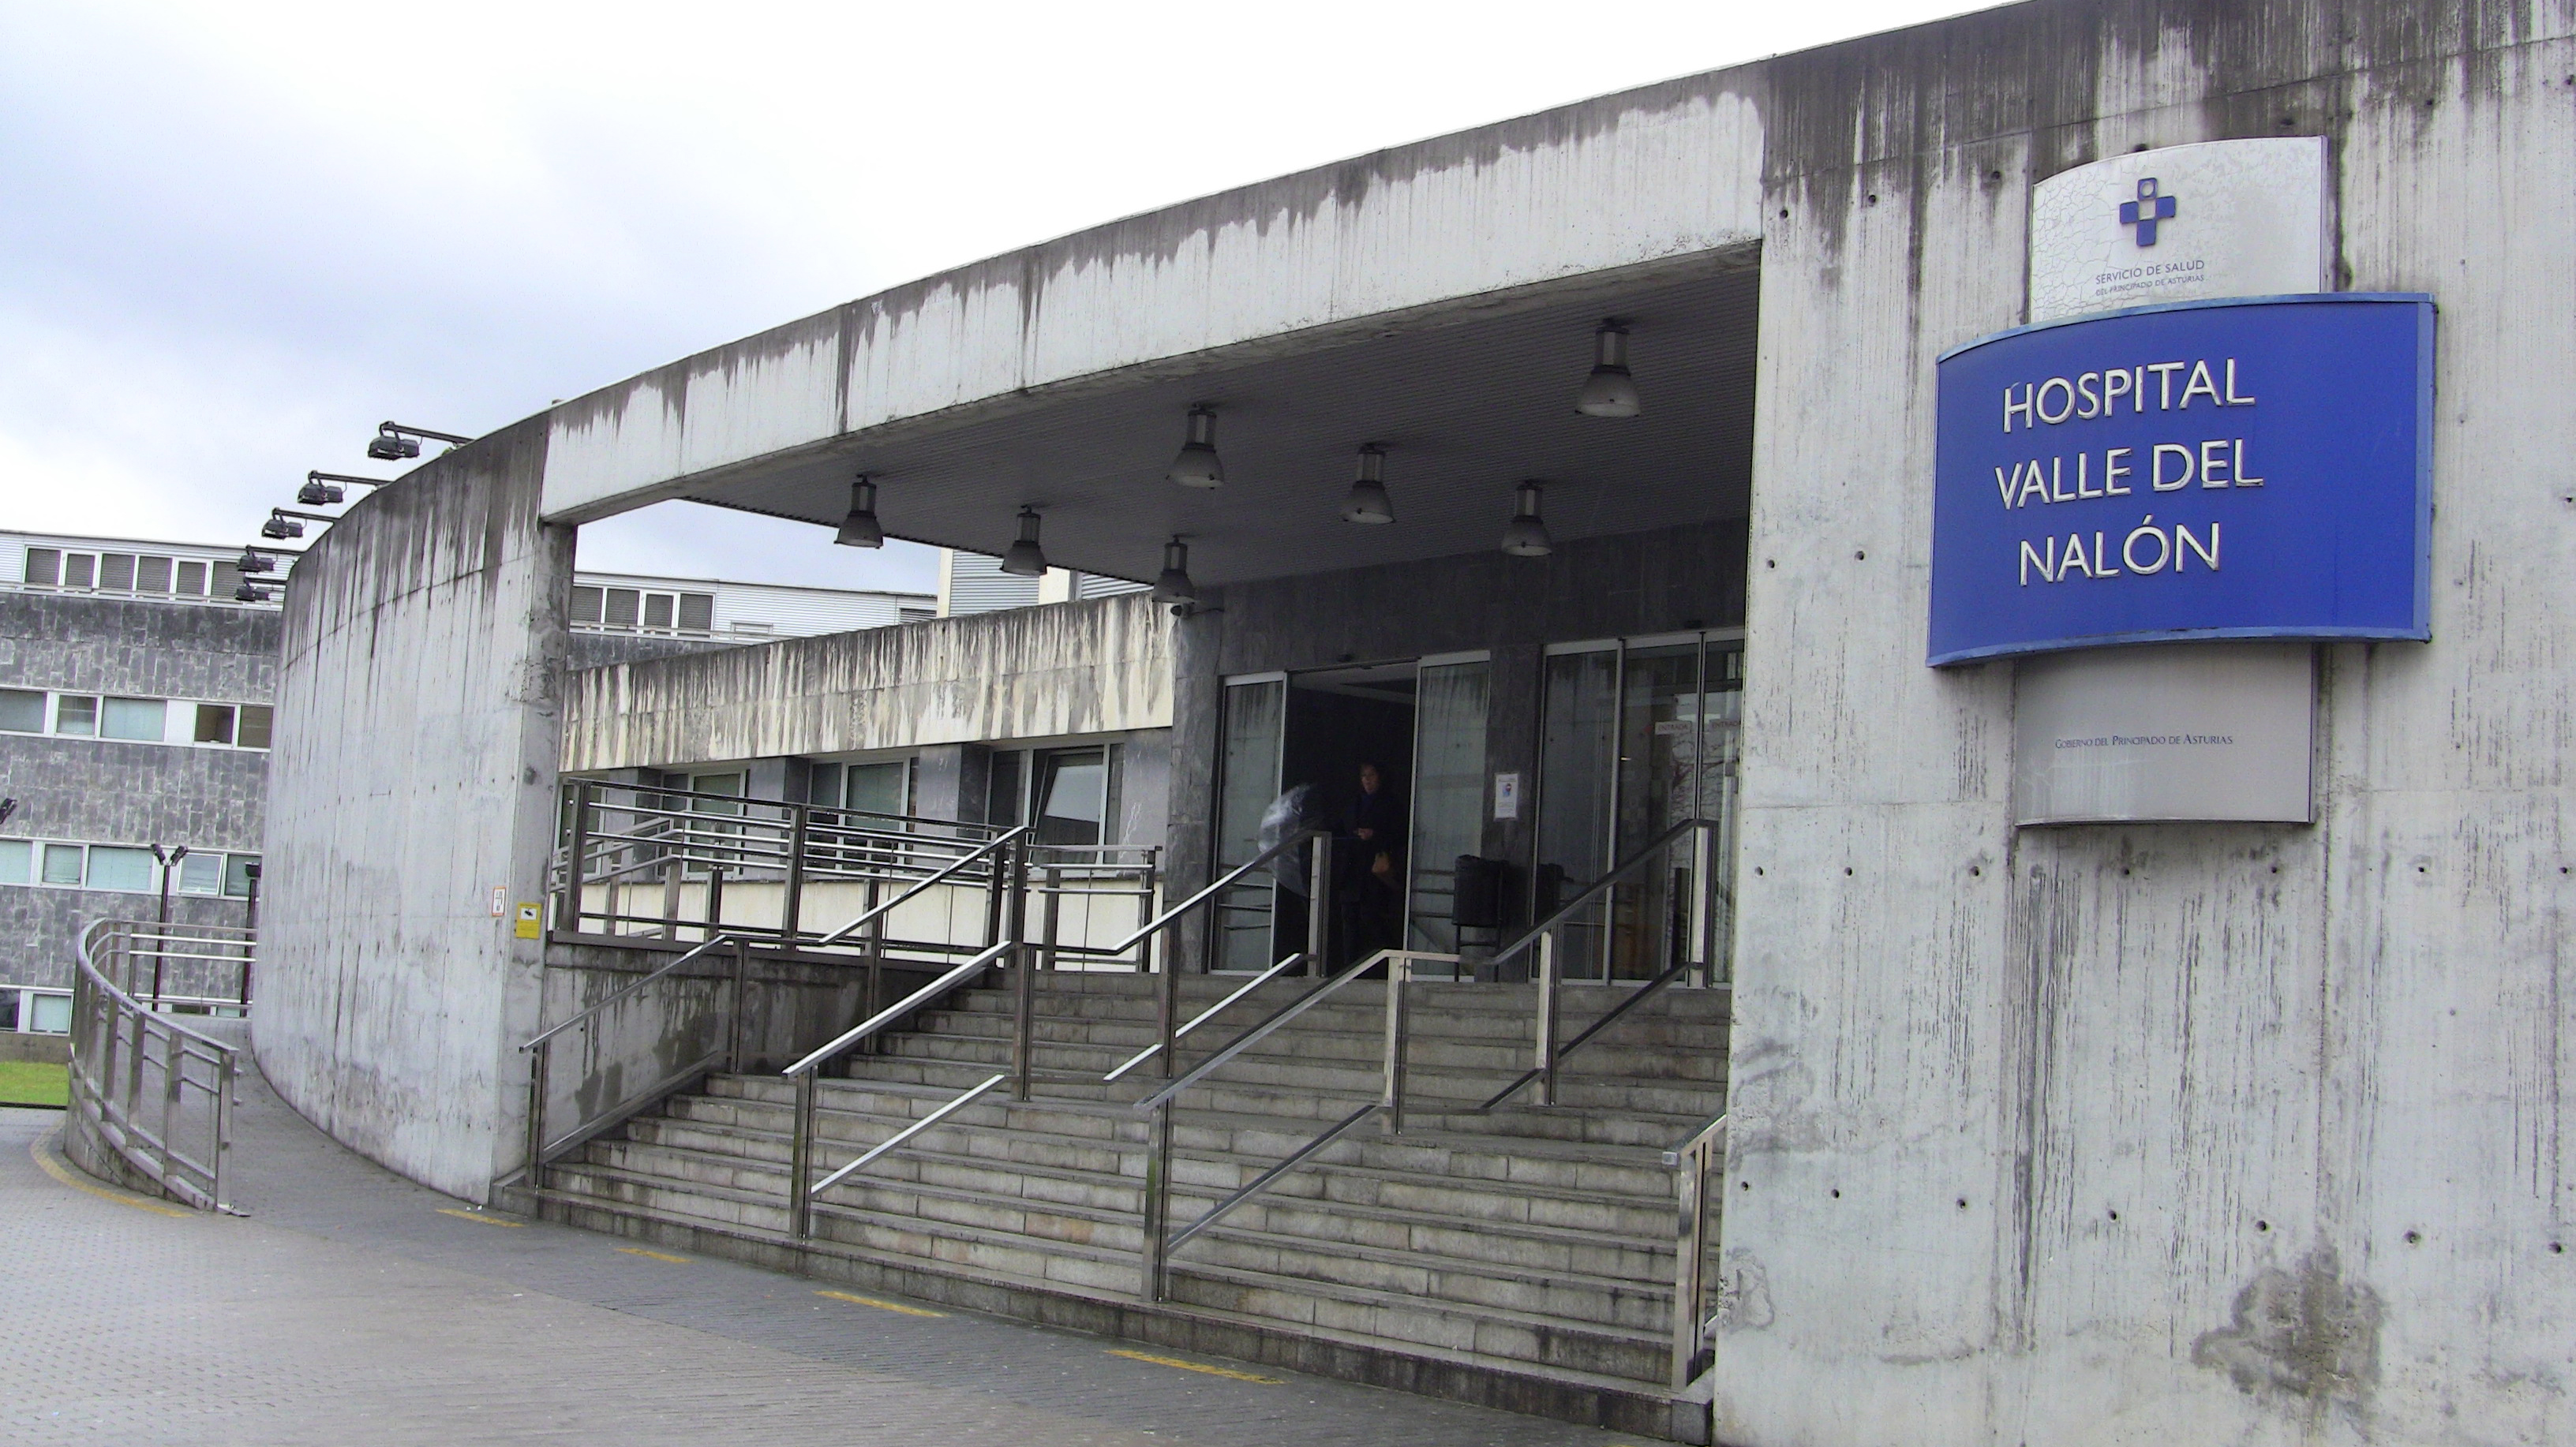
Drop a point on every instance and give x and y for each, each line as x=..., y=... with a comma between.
x=158, y=1095
x=1696, y=1162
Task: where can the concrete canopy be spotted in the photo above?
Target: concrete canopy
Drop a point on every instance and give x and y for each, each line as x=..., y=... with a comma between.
x=1316, y=312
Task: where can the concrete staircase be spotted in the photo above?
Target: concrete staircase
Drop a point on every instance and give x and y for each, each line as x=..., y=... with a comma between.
x=1522, y=1259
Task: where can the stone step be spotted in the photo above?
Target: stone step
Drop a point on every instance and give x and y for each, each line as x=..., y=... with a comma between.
x=1098, y=1047
x=1421, y=1178
x=1633, y=1406
x=1469, y=1011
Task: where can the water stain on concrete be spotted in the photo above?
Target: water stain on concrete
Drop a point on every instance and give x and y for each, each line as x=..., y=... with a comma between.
x=2304, y=1334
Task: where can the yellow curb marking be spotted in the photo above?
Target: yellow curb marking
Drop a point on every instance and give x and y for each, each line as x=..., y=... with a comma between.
x=478, y=1218
x=59, y=1171
x=1226, y=1372
x=879, y=1305
x=654, y=1255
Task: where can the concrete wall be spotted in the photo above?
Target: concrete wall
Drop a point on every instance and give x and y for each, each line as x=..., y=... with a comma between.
x=1030, y=673
x=417, y=728
x=2235, y=1133
x=112, y=791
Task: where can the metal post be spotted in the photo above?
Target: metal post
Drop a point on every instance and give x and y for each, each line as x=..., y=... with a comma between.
x=800, y=1147
x=715, y=901
x=1145, y=902
x=161, y=923
x=1167, y=1000
x=538, y=1064
x=224, y=1085
x=1399, y=973
x=1690, y=1257
x=1703, y=917
x=741, y=989
x=875, y=941
x=1547, y=973
x=999, y=882
x=1319, y=906
x=791, y=910
x=1023, y=978
x=671, y=897
x=1051, y=920
x=134, y=1070
x=174, y=1068
x=1158, y=1197
x=577, y=851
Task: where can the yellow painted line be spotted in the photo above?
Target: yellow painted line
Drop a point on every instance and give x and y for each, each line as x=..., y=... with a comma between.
x=879, y=1305
x=480, y=1219
x=1226, y=1372
x=62, y=1172
x=654, y=1255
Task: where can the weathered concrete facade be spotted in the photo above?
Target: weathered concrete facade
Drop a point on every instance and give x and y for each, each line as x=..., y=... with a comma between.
x=2100, y=1134
x=121, y=792
x=418, y=723
x=1099, y=667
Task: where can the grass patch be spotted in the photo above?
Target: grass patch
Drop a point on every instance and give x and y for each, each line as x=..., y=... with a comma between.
x=28, y=1082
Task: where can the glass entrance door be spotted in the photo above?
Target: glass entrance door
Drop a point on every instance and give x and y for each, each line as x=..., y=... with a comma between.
x=1255, y=723
x=1640, y=735
x=1448, y=794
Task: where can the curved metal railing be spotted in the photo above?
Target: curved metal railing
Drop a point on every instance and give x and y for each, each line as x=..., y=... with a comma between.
x=158, y=1095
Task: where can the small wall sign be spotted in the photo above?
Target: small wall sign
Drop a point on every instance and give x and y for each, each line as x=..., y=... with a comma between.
x=1507, y=796
x=531, y=920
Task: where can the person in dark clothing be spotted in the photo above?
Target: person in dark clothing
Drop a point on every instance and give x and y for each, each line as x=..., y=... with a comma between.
x=1372, y=886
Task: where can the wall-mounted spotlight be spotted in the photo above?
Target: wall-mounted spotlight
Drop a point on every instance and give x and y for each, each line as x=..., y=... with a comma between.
x=1526, y=535
x=247, y=591
x=321, y=489
x=253, y=561
x=1026, y=559
x=1197, y=464
x=1609, y=391
x=1174, y=586
x=1368, y=501
x=860, y=529
x=283, y=522
x=395, y=442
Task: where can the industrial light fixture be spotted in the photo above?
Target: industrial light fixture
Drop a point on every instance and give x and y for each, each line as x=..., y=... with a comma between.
x=1609, y=391
x=1368, y=501
x=1526, y=536
x=321, y=489
x=1197, y=464
x=861, y=529
x=249, y=592
x=253, y=560
x=395, y=442
x=280, y=524
x=1175, y=585
x=1026, y=559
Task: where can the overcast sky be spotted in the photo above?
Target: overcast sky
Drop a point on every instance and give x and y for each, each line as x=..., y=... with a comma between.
x=235, y=237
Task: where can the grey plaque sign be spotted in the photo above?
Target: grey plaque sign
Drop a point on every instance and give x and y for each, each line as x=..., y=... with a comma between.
x=2176, y=731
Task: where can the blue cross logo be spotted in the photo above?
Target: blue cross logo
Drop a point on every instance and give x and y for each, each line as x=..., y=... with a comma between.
x=2143, y=213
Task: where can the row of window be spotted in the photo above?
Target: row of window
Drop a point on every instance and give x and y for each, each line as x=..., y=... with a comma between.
x=143, y=573
x=124, y=868
x=631, y=610
x=1069, y=794
x=142, y=720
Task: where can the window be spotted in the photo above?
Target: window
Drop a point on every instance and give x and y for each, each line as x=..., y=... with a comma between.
x=22, y=711
x=192, y=580
x=697, y=612
x=254, y=730
x=657, y=610
x=585, y=605
x=880, y=788
x=915, y=615
x=129, y=870
x=1006, y=789
x=116, y=572
x=77, y=715
x=80, y=570
x=222, y=578
x=45, y=566
x=620, y=606
x=214, y=723
x=51, y=1014
x=135, y=718
x=63, y=864
x=152, y=575
x=1073, y=797
x=16, y=857
x=241, y=871
x=201, y=874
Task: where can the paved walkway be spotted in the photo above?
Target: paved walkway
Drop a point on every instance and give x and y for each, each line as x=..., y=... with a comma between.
x=355, y=1307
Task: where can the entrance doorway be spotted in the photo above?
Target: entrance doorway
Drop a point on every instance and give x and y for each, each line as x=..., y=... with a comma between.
x=1421, y=723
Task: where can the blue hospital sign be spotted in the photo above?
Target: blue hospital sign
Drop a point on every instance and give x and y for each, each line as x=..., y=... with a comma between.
x=2237, y=469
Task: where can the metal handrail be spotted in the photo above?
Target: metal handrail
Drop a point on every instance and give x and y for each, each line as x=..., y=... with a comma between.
x=1635, y=998
x=1261, y=1029
x=900, y=1008
x=1164, y=919
x=1596, y=889
x=1693, y=1161
x=1210, y=1013
x=876, y=912
x=101, y=1015
x=972, y=1094
x=1264, y=1181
